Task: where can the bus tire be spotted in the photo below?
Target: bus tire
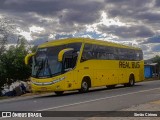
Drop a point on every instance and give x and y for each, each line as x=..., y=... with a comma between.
x=85, y=85
x=131, y=81
x=110, y=86
x=59, y=92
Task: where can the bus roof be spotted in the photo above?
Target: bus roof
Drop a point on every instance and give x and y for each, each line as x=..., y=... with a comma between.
x=85, y=40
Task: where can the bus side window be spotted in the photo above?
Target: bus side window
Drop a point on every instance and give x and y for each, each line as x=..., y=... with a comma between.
x=131, y=55
x=116, y=55
x=76, y=46
x=139, y=55
x=110, y=54
x=123, y=54
x=88, y=53
x=100, y=50
x=70, y=62
x=105, y=52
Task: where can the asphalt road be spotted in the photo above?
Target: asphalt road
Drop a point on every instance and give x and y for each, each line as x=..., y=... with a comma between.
x=100, y=99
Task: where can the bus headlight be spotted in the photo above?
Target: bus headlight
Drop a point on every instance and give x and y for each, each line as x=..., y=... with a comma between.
x=58, y=80
x=49, y=83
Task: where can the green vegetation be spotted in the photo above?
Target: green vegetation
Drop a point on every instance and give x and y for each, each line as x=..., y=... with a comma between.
x=12, y=66
x=156, y=59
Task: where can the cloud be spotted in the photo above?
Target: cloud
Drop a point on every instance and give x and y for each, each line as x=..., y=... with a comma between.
x=156, y=48
x=67, y=11
x=157, y=3
x=61, y=36
x=149, y=16
x=136, y=31
x=39, y=41
x=145, y=47
x=81, y=17
x=154, y=39
x=130, y=21
x=126, y=8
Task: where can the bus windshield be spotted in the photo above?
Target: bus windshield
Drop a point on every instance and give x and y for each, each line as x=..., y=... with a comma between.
x=46, y=64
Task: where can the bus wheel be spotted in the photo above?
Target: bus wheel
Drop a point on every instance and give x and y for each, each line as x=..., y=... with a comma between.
x=110, y=86
x=59, y=92
x=131, y=82
x=84, y=86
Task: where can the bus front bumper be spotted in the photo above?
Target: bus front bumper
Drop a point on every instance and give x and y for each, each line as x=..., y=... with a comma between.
x=47, y=88
x=56, y=85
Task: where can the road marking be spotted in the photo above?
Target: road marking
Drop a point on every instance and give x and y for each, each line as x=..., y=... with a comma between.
x=83, y=102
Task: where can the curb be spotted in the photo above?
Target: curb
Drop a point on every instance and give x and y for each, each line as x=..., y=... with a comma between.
x=24, y=97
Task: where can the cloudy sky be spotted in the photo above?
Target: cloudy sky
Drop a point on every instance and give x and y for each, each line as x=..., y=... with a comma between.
x=132, y=22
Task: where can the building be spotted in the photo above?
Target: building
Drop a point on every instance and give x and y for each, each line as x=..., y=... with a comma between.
x=151, y=70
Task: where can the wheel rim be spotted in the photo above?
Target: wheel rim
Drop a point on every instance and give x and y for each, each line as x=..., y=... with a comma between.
x=84, y=86
x=132, y=82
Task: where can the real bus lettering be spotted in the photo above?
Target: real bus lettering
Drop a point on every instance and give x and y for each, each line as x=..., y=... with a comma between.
x=135, y=65
x=126, y=64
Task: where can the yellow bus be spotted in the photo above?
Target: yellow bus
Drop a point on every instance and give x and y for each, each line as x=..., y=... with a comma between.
x=82, y=63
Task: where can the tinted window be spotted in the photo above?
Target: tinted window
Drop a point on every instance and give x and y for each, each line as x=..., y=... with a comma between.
x=46, y=60
x=76, y=46
x=139, y=55
x=122, y=54
x=105, y=52
x=88, y=52
x=92, y=51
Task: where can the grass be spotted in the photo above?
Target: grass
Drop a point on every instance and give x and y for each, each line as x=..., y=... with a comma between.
x=4, y=97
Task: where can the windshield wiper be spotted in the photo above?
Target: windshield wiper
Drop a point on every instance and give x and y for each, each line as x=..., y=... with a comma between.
x=40, y=65
x=48, y=67
x=43, y=67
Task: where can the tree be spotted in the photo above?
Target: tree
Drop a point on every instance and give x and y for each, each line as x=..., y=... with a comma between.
x=7, y=29
x=12, y=63
x=156, y=59
x=2, y=76
x=34, y=48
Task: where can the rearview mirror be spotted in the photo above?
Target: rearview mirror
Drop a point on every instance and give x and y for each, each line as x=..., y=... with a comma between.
x=28, y=58
x=62, y=52
x=68, y=58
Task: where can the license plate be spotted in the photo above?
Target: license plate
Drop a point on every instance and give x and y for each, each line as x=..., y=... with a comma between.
x=43, y=88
